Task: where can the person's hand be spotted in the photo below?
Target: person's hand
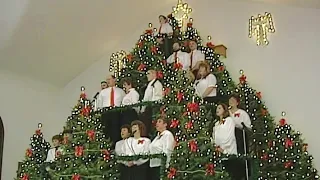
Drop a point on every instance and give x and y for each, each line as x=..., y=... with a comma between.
x=219, y=149
x=130, y=164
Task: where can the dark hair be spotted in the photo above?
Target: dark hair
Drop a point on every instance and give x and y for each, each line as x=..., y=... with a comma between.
x=128, y=81
x=57, y=137
x=163, y=16
x=236, y=97
x=103, y=82
x=141, y=126
x=205, y=65
x=226, y=110
x=126, y=126
x=67, y=131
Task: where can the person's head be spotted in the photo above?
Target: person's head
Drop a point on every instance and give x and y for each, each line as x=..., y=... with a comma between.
x=162, y=19
x=139, y=128
x=111, y=80
x=222, y=111
x=56, y=140
x=67, y=133
x=125, y=131
x=161, y=124
x=104, y=85
x=151, y=75
x=193, y=45
x=176, y=46
x=127, y=84
x=234, y=101
x=204, y=69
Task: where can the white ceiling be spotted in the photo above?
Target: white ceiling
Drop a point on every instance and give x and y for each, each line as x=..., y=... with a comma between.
x=55, y=40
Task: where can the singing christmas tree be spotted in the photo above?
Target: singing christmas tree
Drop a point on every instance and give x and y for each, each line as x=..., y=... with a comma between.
x=87, y=153
x=32, y=166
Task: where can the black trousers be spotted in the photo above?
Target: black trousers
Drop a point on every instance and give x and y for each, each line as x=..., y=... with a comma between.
x=125, y=173
x=240, y=150
x=127, y=116
x=166, y=46
x=154, y=173
x=139, y=172
x=232, y=167
x=147, y=116
x=111, y=122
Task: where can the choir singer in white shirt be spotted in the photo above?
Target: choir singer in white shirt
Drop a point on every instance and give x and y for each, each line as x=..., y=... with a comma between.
x=153, y=92
x=225, y=140
x=55, y=150
x=179, y=56
x=243, y=125
x=131, y=98
x=109, y=98
x=164, y=36
x=196, y=56
x=138, y=145
x=163, y=143
x=120, y=151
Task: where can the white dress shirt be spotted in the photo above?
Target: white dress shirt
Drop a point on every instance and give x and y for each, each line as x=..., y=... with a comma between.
x=132, y=97
x=203, y=84
x=52, y=154
x=165, y=28
x=182, y=57
x=197, y=56
x=133, y=146
x=105, y=97
x=224, y=136
x=120, y=150
x=241, y=116
x=163, y=143
x=153, y=93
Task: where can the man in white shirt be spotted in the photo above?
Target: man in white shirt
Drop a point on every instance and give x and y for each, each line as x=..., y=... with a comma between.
x=152, y=93
x=56, y=150
x=120, y=150
x=179, y=57
x=195, y=55
x=109, y=98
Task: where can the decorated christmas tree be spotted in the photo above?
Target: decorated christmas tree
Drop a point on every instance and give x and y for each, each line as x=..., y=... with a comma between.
x=87, y=155
x=32, y=166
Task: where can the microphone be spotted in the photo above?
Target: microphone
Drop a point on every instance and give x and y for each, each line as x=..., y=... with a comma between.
x=133, y=132
x=95, y=96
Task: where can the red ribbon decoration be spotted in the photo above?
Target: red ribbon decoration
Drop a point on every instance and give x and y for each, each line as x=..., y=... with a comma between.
x=25, y=177
x=76, y=177
x=166, y=91
x=141, y=67
x=288, y=143
x=180, y=96
x=193, y=146
x=177, y=65
x=154, y=49
x=78, y=151
x=174, y=123
x=282, y=122
x=243, y=79
x=172, y=172
x=106, y=154
x=237, y=115
x=193, y=107
x=141, y=141
x=189, y=125
x=159, y=75
x=38, y=132
x=29, y=152
x=85, y=111
x=91, y=134
x=210, y=169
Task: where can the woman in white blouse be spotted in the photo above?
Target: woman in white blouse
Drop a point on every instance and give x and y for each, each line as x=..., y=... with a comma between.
x=162, y=143
x=137, y=145
x=164, y=36
x=225, y=140
x=206, y=83
x=120, y=151
x=131, y=97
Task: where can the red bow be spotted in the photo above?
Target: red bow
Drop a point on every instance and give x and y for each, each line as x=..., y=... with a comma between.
x=159, y=74
x=25, y=177
x=106, y=154
x=174, y=123
x=141, y=141
x=166, y=91
x=38, y=132
x=193, y=146
x=85, y=111
x=141, y=67
x=179, y=96
x=222, y=121
x=129, y=57
x=288, y=164
x=210, y=169
x=237, y=115
x=83, y=95
x=91, y=134
x=154, y=49
x=76, y=177
x=29, y=152
x=172, y=172
x=193, y=107
x=243, y=79
x=149, y=31
x=177, y=65
x=288, y=143
x=282, y=122
x=78, y=151
x=189, y=125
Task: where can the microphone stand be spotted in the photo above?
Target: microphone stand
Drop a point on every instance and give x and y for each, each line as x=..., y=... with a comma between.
x=95, y=101
x=245, y=148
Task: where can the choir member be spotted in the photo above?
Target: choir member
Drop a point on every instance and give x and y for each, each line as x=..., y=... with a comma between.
x=108, y=98
x=103, y=85
x=225, y=140
x=195, y=55
x=163, y=143
x=120, y=151
x=132, y=97
x=138, y=145
x=240, y=118
x=179, y=56
x=55, y=150
x=164, y=37
x=153, y=92
x=206, y=83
